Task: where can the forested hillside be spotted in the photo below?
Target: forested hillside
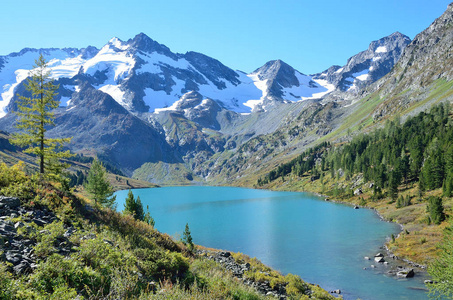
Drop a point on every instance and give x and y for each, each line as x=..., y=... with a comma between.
x=418, y=151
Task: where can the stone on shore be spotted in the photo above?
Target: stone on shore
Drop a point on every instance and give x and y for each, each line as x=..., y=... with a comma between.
x=379, y=259
x=405, y=273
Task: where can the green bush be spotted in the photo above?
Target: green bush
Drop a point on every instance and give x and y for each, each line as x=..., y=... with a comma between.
x=161, y=265
x=58, y=272
x=48, y=239
x=295, y=285
x=15, y=182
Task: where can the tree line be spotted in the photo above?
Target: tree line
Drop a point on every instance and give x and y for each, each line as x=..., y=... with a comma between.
x=418, y=151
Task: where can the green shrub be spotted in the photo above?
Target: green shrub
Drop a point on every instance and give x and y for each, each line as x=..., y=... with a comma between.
x=160, y=264
x=15, y=182
x=295, y=285
x=58, y=272
x=48, y=239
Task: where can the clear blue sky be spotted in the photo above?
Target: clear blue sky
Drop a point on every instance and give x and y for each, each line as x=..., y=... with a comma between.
x=243, y=34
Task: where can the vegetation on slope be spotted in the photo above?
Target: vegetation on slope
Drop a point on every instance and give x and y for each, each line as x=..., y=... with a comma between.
x=92, y=252
x=405, y=171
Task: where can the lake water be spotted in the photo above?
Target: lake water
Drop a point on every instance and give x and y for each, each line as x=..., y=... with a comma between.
x=299, y=233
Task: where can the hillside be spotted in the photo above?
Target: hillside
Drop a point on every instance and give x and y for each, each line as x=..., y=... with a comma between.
x=57, y=246
x=418, y=81
x=401, y=170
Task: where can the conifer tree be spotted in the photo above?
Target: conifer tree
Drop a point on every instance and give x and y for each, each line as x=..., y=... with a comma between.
x=35, y=115
x=148, y=219
x=187, y=237
x=98, y=185
x=129, y=204
x=139, y=212
x=435, y=210
x=134, y=207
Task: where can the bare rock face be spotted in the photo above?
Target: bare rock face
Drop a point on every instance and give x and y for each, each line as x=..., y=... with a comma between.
x=367, y=66
x=424, y=66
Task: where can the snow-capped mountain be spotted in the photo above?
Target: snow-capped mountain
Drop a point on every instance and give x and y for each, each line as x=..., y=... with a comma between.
x=136, y=103
x=278, y=80
x=145, y=76
x=140, y=74
x=367, y=66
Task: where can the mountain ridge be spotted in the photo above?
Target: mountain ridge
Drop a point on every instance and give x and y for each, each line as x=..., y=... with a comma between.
x=156, y=86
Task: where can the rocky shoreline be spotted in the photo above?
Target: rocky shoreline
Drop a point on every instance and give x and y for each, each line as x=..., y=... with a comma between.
x=226, y=260
x=384, y=247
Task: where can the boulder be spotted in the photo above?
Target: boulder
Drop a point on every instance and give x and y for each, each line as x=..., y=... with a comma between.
x=19, y=224
x=379, y=255
x=12, y=202
x=358, y=192
x=366, y=258
x=406, y=273
x=379, y=259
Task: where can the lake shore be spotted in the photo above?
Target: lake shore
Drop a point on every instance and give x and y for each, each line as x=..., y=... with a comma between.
x=385, y=247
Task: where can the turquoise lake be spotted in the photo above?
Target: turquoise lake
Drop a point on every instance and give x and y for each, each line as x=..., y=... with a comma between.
x=322, y=242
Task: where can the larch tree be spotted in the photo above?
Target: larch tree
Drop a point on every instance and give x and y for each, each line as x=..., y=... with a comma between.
x=35, y=116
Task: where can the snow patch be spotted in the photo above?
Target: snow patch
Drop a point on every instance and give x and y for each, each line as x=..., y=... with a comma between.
x=115, y=92
x=362, y=75
x=339, y=70
x=376, y=58
x=159, y=101
x=118, y=64
x=322, y=82
x=381, y=49
x=307, y=87
x=65, y=101
x=154, y=60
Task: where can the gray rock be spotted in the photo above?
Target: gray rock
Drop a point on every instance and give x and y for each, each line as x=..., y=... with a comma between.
x=19, y=225
x=13, y=258
x=40, y=222
x=379, y=259
x=379, y=255
x=406, y=273
x=12, y=202
x=22, y=268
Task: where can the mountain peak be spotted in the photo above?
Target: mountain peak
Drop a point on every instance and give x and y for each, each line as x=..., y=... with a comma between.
x=142, y=42
x=273, y=69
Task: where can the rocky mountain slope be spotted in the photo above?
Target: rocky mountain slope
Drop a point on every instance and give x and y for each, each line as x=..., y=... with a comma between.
x=150, y=111
x=367, y=66
x=421, y=78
